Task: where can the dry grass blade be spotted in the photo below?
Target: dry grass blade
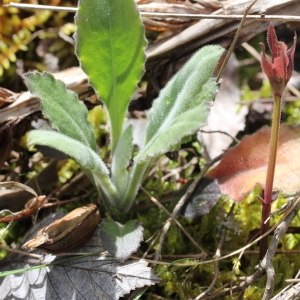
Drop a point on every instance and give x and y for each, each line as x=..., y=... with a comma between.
x=17, y=185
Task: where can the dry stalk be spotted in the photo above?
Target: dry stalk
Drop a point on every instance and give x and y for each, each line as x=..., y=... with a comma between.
x=258, y=17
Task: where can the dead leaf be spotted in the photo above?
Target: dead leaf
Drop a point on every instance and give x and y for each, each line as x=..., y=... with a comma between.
x=245, y=166
x=89, y=278
x=203, y=198
x=68, y=232
x=79, y=277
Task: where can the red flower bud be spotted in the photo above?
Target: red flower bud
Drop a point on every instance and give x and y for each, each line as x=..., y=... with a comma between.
x=279, y=69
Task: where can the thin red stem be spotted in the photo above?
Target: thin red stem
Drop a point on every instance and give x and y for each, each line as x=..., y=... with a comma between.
x=268, y=191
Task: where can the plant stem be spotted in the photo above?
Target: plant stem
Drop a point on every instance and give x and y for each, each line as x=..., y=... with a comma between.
x=105, y=187
x=136, y=178
x=268, y=191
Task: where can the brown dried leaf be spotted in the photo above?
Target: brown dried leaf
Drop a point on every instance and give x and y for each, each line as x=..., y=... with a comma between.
x=245, y=166
x=68, y=232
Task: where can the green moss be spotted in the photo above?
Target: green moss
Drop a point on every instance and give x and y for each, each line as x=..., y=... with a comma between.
x=292, y=112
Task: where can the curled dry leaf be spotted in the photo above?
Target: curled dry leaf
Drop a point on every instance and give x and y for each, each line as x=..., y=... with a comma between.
x=68, y=232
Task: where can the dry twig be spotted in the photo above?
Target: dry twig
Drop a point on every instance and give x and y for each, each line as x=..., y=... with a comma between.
x=174, y=219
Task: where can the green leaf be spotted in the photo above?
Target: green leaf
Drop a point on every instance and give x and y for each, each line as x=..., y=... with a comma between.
x=121, y=240
x=85, y=156
x=121, y=160
x=183, y=105
x=106, y=189
x=66, y=113
x=110, y=45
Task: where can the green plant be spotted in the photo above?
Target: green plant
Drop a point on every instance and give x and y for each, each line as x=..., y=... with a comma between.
x=110, y=45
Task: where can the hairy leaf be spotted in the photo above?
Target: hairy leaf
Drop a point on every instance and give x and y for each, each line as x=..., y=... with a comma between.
x=121, y=161
x=66, y=113
x=121, y=240
x=227, y=115
x=245, y=166
x=85, y=156
x=183, y=105
x=110, y=45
